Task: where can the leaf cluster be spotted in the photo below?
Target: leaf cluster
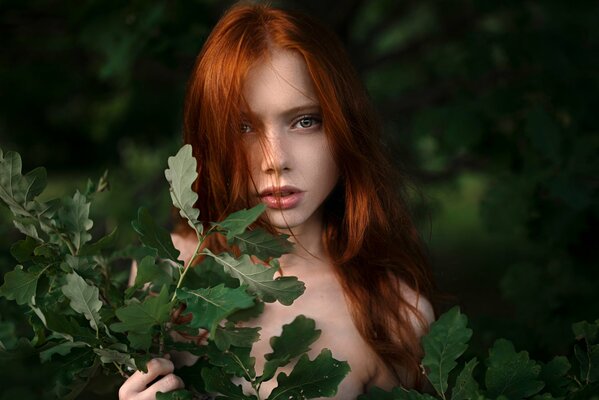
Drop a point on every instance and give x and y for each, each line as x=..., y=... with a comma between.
x=92, y=326
x=507, y=375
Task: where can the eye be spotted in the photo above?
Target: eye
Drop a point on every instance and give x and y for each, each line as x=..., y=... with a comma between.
x=307, y=121
x=245, y=127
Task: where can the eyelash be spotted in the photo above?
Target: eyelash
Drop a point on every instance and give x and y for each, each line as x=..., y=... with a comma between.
x=315, y=120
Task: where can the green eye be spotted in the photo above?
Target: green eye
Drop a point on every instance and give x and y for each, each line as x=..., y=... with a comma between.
x=307, y=121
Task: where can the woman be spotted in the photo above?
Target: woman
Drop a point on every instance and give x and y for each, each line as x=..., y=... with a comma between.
x=275, y=114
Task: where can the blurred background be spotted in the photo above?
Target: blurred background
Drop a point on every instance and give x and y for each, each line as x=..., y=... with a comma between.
x=490, y=106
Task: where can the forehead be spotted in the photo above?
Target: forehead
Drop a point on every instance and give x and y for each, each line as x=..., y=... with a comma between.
x=280, y=81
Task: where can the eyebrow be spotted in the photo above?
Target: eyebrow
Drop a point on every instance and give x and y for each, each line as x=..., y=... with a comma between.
x=304, y=108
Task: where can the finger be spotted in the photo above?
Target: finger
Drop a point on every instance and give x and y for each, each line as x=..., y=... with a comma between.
x=140, y=380
x=167, y=383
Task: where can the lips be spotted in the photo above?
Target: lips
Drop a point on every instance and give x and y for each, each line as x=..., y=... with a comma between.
x=281, y=198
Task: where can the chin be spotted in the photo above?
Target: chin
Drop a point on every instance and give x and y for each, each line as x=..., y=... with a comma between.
x=285, y=219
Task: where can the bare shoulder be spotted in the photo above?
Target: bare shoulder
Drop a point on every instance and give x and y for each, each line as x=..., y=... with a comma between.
x=421, y=305
x=185, y=244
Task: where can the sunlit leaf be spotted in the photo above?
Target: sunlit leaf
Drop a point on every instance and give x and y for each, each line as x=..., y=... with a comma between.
x=84, y=298
x=259, y=278
x=181, y=175
x=445, y=342
x=311, y=378
x=511, y=374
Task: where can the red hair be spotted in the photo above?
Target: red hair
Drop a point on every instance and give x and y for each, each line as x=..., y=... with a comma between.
x=368, y=233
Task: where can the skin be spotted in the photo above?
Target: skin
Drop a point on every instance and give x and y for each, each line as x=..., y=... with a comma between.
x=293, y=151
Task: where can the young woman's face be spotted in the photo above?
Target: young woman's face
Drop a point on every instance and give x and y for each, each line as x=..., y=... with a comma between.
x=291, y=164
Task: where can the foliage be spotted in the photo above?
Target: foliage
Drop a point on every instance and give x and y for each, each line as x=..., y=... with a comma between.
x=509, y=375
x=92, y=325
x=503, y=93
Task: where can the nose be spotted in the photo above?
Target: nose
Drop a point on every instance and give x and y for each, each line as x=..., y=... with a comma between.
x=275, y=153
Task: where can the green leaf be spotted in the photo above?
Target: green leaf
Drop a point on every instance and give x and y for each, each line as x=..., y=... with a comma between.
x=154, y=236
x=139, y=318
x=74, y=219
x=109, y=356
x=180, y=394
x=230, y=335
x=376, y=393
x=317, y=378
x=211, y=305
x=554, y=375
x=589, y=362
x=397, y=393
x=261, y=244
x=236, y=360
x=23, y=249
x=181, y=175
x=466, y=387
x=101, y=244
x=85, y=299
x=585, y=330
x=149, y=271
x=68, y=328
x=259, y=278
x=511, y=374
x=27, y=226
x=62, y=349
x=400, y=393
x=295, y=340
x=217, y=382
x=445, y=342
x=236, y=223
x=19, y=285
x=17, y=190
x=248, y=313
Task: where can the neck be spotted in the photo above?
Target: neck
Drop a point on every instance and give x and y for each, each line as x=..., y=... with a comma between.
x=308, y=241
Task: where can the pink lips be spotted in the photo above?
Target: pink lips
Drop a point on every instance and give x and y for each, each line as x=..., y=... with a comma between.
x=281, y=198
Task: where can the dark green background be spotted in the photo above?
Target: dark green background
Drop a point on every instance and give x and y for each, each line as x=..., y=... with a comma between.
x=490, y=106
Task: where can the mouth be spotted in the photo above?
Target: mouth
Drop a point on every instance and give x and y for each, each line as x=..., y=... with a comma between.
x=281, y=198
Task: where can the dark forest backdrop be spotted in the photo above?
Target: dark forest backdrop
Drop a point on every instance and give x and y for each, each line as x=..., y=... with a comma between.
x=491, y=106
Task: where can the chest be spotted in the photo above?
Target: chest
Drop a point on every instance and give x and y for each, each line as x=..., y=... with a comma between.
x=324, y=302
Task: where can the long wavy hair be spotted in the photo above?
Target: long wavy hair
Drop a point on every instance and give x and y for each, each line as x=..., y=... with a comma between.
x=369, y=234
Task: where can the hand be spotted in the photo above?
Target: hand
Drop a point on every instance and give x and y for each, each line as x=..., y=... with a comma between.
x=136, y=386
